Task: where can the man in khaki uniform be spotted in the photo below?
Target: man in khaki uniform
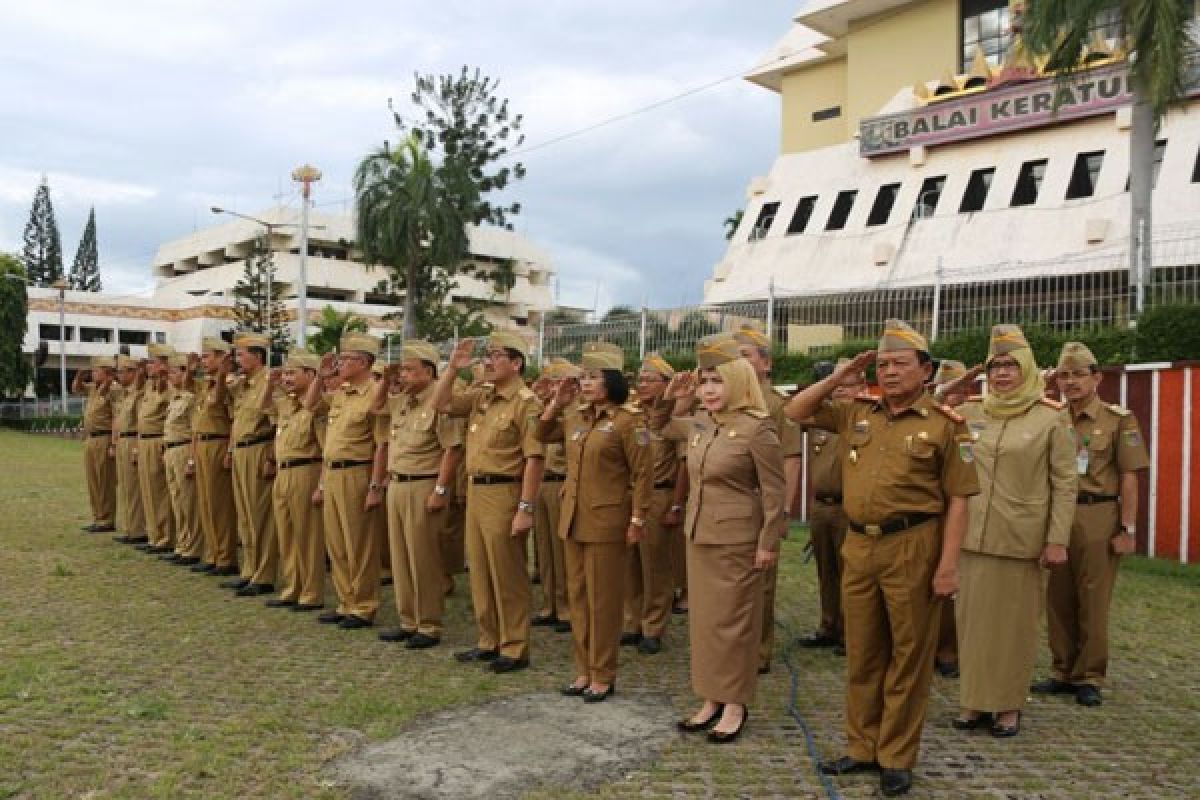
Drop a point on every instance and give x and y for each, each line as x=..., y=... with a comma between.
x=98, y=451
x=349, y=494
x=298, y=528
x=178, y=464
x=1110, y=453
x=152, y=475
x=755, y=347
x=649, y=591
x=125, y=443
x=504, y=468
x=250, y=446
x=550, y=556
x=906, y=477
x=827, y=519
x=214, y=487
x=424, y=448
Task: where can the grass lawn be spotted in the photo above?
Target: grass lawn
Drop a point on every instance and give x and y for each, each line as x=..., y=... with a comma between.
x=122, y=677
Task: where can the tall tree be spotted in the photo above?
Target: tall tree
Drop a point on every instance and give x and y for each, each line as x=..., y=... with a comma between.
x=42, y=255
x=15, y=370
x=258, y=300
x=85, y=270
x=1158, y=35
x=331, y=325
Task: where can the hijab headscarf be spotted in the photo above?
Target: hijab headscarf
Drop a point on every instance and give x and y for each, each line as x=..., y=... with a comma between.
x=1010, y=340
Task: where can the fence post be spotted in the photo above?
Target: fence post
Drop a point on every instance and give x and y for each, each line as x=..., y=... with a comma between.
x=542, y=342
x=770, y=321
x=937, y=300
x=642, y=335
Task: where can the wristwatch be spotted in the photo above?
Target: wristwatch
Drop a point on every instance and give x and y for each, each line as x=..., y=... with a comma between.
x=440, y=491
x=1129, y=530
x=526, y=506
x=676, y=508
x=375, y=487
x=638, y=521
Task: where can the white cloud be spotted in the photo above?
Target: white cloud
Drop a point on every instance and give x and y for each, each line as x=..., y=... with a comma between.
x=18, y=185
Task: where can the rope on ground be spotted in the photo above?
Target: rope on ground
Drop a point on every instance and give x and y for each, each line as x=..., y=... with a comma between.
x=789, y=652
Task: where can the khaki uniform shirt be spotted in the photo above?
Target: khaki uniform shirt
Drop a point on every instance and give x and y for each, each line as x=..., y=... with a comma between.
x=250, y=419
x=556, y=458
x=1026, y=469
x=350, y=434
x=500, y=427
x=98, y=410
x=178, y=425
x=125, y=409
x=824, y=462
x=296, y=428
x=152, y=410
x=418, y=435
x=665, y=454
x=791, y=439
x=909, y=463
x=608, y=470
x=211, y=415
x=1108, y=442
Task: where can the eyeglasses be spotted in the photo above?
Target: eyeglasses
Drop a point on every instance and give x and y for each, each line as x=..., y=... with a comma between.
x=997, y=366
x=493, y=355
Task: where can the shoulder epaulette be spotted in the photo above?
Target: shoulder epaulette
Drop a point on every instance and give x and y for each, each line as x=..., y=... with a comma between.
x=949, y=412
x=525, y=393
x=1050, y=402
x=1118, y=410
x=975, y=398
x=780, y=393
x=754, y=412
x=867, y=397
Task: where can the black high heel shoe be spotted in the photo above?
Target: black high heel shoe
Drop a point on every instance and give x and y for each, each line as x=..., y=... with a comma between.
x=1006, y=731
x=718, y=737
x=965, y=724
x=571, y=690
x=687, y=726
x=599, y=697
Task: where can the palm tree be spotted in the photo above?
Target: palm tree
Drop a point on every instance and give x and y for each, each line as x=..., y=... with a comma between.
x=732, y=223
x=409, y=215
x=1159, y=37
x=330, y=327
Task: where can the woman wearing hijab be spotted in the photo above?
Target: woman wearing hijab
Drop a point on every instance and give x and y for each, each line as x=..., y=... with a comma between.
x=733, y=526
x=1019, y=524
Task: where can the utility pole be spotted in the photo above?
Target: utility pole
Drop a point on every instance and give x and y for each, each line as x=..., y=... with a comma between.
x=306, y=176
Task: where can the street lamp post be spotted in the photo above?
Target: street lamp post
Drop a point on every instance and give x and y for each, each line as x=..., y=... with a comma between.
x=305, y=175
x=61, y=286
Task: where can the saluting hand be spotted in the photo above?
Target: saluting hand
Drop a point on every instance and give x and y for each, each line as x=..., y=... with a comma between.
x=328, y=365
x=275, y=377
x=461, y=357
x=565, y=392
x=682, y=386
x=854, y=366
x=962, y=385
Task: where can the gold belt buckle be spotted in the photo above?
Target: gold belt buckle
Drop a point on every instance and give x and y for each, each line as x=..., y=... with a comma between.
x=873, y=530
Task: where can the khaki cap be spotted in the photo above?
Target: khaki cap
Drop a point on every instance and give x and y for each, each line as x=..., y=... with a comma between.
x=653, y=362
x=752, y=336
x=1076, y=355
x=359, y=342
x=1005, y=339
x=421, y=350
x=720, y=348
x=560, y=368
x=159, y=351
x=177, y=360
x=214, y=343
x=899, y=335
x=252, y=340
x=103, y=362
x=511, y=341
x=602, y=355
x=125, y=362
x=949, y=370
x=301, y=359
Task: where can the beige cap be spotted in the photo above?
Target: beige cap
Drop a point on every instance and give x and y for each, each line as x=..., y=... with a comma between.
x=214, y=343
x=510, y=340
x=750, y=335
x=653, y=362
x=949, y=370
x=103, y=362
x=560, y=368
x=602, y=355
x=125, y=362
x=1076, y=355
x=1005, y=339
x=250, y=339
x=301, y=359
x=720, y=348
x=159, y=351
x=177, y=360
x=359, y=342
x=899, y=335
x=421, y=350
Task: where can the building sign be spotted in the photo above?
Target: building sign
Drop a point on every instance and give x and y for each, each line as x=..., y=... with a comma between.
x=1011, y=108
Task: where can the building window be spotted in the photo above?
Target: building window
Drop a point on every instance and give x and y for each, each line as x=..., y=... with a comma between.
x=1085, y=174
x=1160, y=150
x=766, y=216
x=802, y=214
x=133, y=337
x=927, y=198
x=1029, y=183
x=160, y=337
x=985, y=24
x=882, y=209
x=833, y=112
x=841, y=210
x=50, y=333
x=95, y=335
x=977, y=190
x=1196, y=168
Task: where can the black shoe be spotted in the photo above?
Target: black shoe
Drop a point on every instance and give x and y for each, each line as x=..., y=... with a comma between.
x=1007, y=731
x=536, y=580
x=839, y=649
x=631, y=639
x=504, y=664
x=543, y=621
x=421, y=641
x=145, y=547
x=818, y=639
x=970, y=724
x=237, y=584
x=397, y=635
x=255, y=589
x=476, y=655
x=678, y=610
x=279, y=602
x=571, y=690
x=650, y=645
x=946, y=669
x=599, y=697
x=103, y=529
x=387, y=580
x=131, y=539
x=720, y=737
x=188, y=561
x=764, y=669
x=207, y=569
x=1088, y=695
x=302, y=607
x=1053, y=686
x=353, y=623
x=687, y=726
x=223, y=571
x=895, y=782
x=172, y=558
x=89, y=528
x=330, y=618
x=160, y=549
x=847, y=766
x=562, y=626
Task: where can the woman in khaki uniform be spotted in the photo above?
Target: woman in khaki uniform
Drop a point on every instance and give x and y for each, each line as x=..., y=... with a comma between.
x=605, y=500
x=734, y=520
x=1019, y=523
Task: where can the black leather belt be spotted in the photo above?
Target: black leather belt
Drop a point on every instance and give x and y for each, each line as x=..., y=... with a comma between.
x=553, y=477
x=100, y=433
x=150, y=436
x=348, y=463
x=492, y=480
x=299, y=462
x=266, y=437
x=399, y=478
x=894, y=525
x=127, y=434
x=210, y=437
x=1091, y=498
x=180, y=443
x=828, y=498
x=665, y=485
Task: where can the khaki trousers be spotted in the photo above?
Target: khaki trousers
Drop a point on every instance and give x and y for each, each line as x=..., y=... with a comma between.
x=298, y=535
x=133, y=518
x=214, y=494
x=352, y=537
x=101, y=479
x=453, y=542
x=649, y=592
x=679, y=571
x=156, y=498
x=189, y=541
x=595, y=572
x=766, y=644
x=255, y=522
x=500, y=591
x=414, y=536
x=827, y=526
x=552, y=566
x=891, y=631
x=1079, y=595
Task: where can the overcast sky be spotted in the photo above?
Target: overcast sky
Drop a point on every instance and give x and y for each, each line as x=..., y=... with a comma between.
x=155, y=111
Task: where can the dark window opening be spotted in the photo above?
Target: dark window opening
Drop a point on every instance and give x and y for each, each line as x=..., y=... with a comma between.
x=1160, y=150
x=766, y=216
x=51, y=333
x=133, y=337
x=978, y=186
x=882, y=209
x=985, y=25
x=802, y=214
x=841, y=209
x=928, y=197
x=95, y=335
x=833, y=112
x=1196, y=168
x=1029, y=183
x=1085, y=174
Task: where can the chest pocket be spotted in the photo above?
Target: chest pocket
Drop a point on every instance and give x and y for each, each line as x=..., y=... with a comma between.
x=503, y=431
x=922, y=450
x=1099, y=442
x=415, y=426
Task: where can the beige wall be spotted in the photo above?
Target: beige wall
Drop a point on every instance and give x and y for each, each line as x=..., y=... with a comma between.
x=813, y=89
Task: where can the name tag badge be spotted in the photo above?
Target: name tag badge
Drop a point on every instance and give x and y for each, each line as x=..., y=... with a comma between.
x=733, y=434
x=1082, y=458
x=605, y=427
x=474, y=427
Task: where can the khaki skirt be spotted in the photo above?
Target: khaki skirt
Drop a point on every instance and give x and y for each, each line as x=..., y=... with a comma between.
x=725, y=600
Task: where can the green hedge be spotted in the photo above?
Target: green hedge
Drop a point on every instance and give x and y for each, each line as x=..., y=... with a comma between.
x=51, y=424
